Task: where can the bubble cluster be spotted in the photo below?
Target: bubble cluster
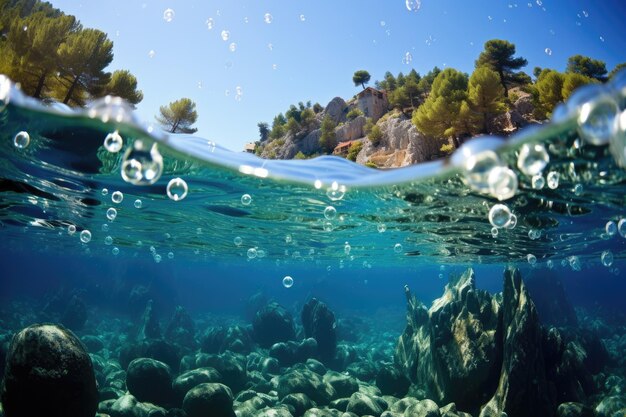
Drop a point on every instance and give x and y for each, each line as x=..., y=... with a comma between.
x=407, y=58
x=502, y=183
x=142, y=164
x=246, y=199
x=500, y=216
x=532, y=159
x=209, y=23
x=21, y=140
x=330, y=213
x=177, y=189
x=478, y=169
x=111, y=214
x=111, y=108
x=336, y=191
x=113, y=142
x=117, y=197
x=85, y=236
x=287, y=282
x=168, y=15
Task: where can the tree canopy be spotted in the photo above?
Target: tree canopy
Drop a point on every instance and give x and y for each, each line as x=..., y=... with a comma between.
x=361, y=77
x=178, y=116
x=617, y=69
x=328, y=139
x=592, y=68
x=123, y=84
x=498, y=55
x=484, y=99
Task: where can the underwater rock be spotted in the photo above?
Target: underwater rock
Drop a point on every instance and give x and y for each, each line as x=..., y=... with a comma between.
x=155, y=349
x=571, y=409
x=299, y=403
x=236, y=339
x=552, y=304
x=424, y=408
x=48, y=372
x=319, y=323
x=254, y=303
x=391, y=381
x=451, y=349
x=316, y=366
x=306, y=382
x=273, y=324
x=149, y=328
x=364, y=370
x=263, y=364
x=345, y=355
x=344, y=385
x=186, y=381
x=209, y=399
x=128, y=406
x=180, y=329
x=149, y=380
x=231, y=366
x=363, y=404
x=290, y=353
x=280, y=411
x=75, y=314
x=93, y=343
x=522, y=389
x=610, y=406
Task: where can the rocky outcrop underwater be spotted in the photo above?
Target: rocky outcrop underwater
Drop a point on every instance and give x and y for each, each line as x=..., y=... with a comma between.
x=470, y=354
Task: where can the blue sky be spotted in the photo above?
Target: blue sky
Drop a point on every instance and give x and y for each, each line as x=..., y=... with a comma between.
x=310, y=49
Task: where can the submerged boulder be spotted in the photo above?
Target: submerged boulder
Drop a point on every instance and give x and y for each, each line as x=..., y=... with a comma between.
x=150, y=381
x=48, y=372
x=180, y=329
x=209, y=399
x=319, y=323
x=273, y=324
x=75, y=314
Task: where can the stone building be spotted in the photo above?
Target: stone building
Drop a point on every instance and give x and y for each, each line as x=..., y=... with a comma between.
x=372, y=102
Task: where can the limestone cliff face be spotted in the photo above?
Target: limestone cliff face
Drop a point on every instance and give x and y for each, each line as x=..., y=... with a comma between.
x=401, y=145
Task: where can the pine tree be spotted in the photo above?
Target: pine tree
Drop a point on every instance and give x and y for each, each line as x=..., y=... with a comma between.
x=438, y=117
x=498, y=55
x=123, y=84
x=328, y=140
x=178, y=116
x=592, y=68
x=573, y=80
x=361, y=77
x=484, y=97
x=549, y=92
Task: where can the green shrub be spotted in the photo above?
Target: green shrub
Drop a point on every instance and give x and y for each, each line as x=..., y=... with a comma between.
x=300, y=155
x=354, y=150
x=446, y=148
x=354, y=113
x=375, y=135
x=370, y=164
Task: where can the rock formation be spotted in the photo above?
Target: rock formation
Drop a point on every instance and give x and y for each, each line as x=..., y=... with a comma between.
x=273, y=324
x=319, y=323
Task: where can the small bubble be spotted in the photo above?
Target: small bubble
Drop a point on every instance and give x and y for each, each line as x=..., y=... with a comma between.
x=478, y=167
x=328, y=227
x=209, y=23
x=246, y=199
x=413, y=5
x=252, y=253
x=347, y=248
x=597, y=120
x=532, y=158
x=225, y=35
x=288, y=239
x=113, y=142
x=610, y=228
x=381, y=227
x=539, y=3
x=534, y=234
x=407, y=58
x=274, y=66
x=585, y=13
x=21, y=140
x=232, y=47
x=141, y=164
x=621, y=227
x=177, y=189
x=105, y=191
x=607, y=258
x=578, y=189
x=138, y=204
x=499, y=216
x=494, y=231
x=267, y=18
x=71, y=229
x=104, y=227
x=168, y=15
x=151, y=53
x=538, y=182
x=502, y=183
x=108, y=240
x=553, y=179
x=397, y=248
x=330, y=213
x=336, y=191
x=548, y=51
x=115, y=251
x=287, y=282
x=111, y=214
x=574, y=263
x=157, y=258
x=601, y=38
x=170, y=255
x=270, y=46
x=532, y=259
x=237, y=241
x=117, y=197
x=550, y=264
x=85, y=236
x=302, y=18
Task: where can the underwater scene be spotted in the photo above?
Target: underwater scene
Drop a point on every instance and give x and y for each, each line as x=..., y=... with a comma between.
x=449, y=241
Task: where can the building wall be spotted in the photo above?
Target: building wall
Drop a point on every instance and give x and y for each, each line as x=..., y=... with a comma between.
x=373, y=106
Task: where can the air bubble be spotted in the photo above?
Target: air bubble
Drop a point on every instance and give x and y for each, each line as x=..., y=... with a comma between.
x=494, y=231
x=225, y=35
x=607, y=258
x=267, y=18
x=108, y=240
x=71, y=229
x=21, y=140
x=578, y=189
x=621, y=227
x=513, y=222
x=237, y=241
x=209, y=23
x=397, y=248
x=534, y=234
x=407, y=58
x=177, y=189
x=115, y=251
x=111, y=108
x=538, y=182
x=232, y=47
x=287, y=282
x=85, y=236
x=328, y=227
x=330, y=213
x=610, y=228
x=347, y=248
x=246, y=199
x=336, y=191
x=499, y=216
x=574, y=263
x=553, y=179
x=170, y=255
x=111, y=214
x=252, y=253
x=142, y=164
x=502, y=183
x=302, y=18
x=550, y=264
x=168, y=15
x=413, y=5
x=288, y=239
x=104, y=227
x=104, y=191
x=532, y=259
x=477, y=170
x=151, y=53
x=532, y=159
x=117, y=197
x=548, y=51
x=596, y=120
x=138, y=204
x=381, y=227
x=113, y=142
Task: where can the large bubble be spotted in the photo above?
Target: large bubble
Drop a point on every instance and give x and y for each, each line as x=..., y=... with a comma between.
x=142, y=164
